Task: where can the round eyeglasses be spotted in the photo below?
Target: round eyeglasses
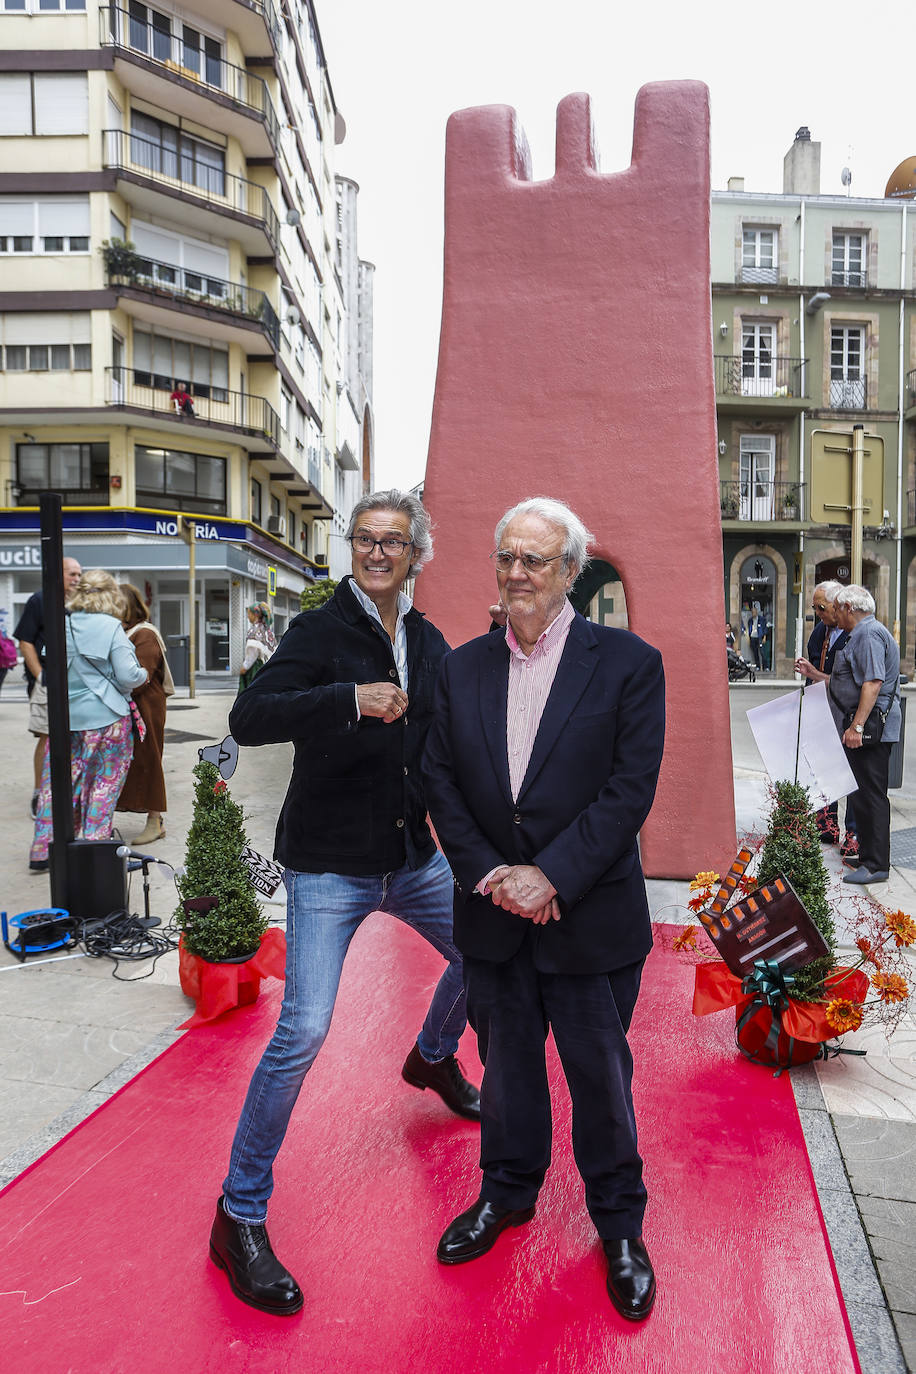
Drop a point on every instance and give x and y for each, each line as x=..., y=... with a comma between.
x=531, y=562
x=363, y=543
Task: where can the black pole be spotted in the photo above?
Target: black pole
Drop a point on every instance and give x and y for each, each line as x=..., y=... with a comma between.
x=52, y=596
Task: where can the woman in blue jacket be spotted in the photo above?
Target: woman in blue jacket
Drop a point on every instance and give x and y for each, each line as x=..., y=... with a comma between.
x=102, y=671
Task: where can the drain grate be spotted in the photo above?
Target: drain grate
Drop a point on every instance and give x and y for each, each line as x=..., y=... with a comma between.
x=903, y=848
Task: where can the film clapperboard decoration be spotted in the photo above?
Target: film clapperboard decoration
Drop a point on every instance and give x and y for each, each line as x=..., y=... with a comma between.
x=761, y=939
x=265, y=875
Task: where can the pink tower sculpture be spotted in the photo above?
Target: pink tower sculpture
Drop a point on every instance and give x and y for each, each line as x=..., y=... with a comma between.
x=575, y=361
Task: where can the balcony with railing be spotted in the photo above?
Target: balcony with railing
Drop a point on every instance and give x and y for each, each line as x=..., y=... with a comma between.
x=847, y=393
x=180, y=287
x=198, y=76
x=762, y=501
x=771, y=382
x=854, y=277
x=210, y=405
x=185, y=171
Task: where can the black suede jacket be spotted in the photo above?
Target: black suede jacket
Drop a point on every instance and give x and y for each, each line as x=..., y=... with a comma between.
x=355, y=803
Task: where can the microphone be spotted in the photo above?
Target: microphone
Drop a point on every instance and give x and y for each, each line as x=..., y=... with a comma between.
x=124, y=851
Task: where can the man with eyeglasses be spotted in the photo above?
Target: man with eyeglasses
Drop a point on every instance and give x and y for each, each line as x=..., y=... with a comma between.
x=540, y=768
x=351, y=685
x=824, y=642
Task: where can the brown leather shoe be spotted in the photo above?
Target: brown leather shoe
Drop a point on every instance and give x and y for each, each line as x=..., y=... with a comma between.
x=446, y=1079
x=630, y=1278
x=255, y=1274
x=476, y=1231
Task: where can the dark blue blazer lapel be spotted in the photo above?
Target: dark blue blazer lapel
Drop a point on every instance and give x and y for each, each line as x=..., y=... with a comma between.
x=494, y=692
x=574, y=672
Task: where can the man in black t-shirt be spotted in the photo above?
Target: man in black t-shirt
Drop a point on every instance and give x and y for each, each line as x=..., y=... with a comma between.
x=30, y=633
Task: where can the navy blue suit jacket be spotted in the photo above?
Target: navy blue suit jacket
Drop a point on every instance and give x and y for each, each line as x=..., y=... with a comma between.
x=588, y=789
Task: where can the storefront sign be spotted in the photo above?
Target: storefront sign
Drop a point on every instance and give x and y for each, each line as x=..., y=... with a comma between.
x=20, y=556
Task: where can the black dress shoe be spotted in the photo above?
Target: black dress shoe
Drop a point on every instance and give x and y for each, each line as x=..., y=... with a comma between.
x=476, y=1231
x=630, y=1279
x=255, y=1274
x=446, y=1079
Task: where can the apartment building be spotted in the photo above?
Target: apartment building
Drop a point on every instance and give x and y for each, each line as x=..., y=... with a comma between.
x=174, y=318
x=814, y=331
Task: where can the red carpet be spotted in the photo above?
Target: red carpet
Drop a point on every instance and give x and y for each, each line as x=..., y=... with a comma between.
x=103, y=1243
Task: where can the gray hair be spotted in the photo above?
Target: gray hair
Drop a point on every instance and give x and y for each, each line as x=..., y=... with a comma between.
x=831, y=590
x=420, y=527
x=856, y=598
x=577, y=537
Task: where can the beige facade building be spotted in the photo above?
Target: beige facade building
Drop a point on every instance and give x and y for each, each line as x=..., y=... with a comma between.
x=174, y=317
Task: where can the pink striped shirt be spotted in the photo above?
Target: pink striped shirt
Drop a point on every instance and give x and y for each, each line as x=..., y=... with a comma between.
x=530, y=680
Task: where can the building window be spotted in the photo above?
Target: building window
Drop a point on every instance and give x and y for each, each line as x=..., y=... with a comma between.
x=79, y=472
x=41, y=6
x=759, y=261
x=847, y=371
x=848, y=260
x=256, y=501
x=176, y=480
x=45, y=341
x=758, y=371
x=163, y=148
x=161, y=362
x=43, y=103
x=47, y=224
x=291, y=528
x=286, y=401
x=47, y=358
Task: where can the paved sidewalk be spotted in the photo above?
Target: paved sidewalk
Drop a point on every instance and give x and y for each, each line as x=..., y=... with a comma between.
x=73, y=1034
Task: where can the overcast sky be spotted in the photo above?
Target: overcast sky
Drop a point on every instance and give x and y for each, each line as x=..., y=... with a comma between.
x=398, y=70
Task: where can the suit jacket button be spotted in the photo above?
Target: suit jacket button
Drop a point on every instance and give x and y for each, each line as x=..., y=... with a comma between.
x=399, y=824
x=517, y=818
x=392, y=672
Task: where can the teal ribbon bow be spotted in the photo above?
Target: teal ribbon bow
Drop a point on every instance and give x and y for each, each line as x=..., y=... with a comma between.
x=768, y=986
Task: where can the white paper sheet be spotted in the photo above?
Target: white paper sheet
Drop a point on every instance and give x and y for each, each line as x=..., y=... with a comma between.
x=822, y=766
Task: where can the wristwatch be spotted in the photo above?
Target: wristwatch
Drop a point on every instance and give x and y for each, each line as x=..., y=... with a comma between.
x=859, y=729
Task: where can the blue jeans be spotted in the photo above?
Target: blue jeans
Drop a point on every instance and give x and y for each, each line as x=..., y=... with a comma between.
x=324, y=912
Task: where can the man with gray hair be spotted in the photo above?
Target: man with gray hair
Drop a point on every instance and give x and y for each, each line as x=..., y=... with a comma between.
x=865, y=699
x=540, y=768
x=351, y=686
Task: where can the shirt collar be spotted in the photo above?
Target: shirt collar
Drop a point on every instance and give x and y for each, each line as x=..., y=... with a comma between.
x=546, y=637
x=369, y=606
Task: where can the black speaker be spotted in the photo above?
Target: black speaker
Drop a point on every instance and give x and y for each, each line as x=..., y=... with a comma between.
x=96, y=879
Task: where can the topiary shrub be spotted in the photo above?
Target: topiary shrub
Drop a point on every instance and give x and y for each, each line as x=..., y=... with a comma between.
x=317, y=594
x=214, y=869
x=793, y=847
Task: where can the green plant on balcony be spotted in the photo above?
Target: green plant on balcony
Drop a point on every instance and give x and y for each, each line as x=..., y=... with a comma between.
x=790, y=504
x=121, y=259
x=729, y=506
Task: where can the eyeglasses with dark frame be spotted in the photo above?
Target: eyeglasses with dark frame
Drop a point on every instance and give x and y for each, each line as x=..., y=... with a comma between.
x=531, y=562
x=364, y=543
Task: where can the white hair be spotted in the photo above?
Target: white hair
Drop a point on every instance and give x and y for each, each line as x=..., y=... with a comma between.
x=577, y=537
x=830, y=590
x=856, y=599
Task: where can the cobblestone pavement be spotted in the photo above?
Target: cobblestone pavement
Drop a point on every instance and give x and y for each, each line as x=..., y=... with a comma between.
x=73, y=1034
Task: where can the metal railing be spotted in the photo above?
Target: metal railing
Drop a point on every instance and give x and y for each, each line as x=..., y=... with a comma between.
x=181, y=167
x=176, y=57
x=126, y=386
x=852, y=278
x=761, y=377
x=762, y=500
x=847, y=394
x=196, y=288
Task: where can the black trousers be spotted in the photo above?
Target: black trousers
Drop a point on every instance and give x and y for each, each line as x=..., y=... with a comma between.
x=873, y=809
x=511, y=1007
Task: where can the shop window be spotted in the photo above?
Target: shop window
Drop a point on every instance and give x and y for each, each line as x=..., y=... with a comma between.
x=176, y=480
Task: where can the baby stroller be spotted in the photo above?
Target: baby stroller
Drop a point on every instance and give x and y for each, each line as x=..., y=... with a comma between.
x=739, y=667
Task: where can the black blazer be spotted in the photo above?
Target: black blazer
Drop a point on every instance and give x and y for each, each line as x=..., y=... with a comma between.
x=355, y=801
x=587, y=791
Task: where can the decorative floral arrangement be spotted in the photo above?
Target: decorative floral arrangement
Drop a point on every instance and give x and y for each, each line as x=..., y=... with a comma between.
x=829, y=995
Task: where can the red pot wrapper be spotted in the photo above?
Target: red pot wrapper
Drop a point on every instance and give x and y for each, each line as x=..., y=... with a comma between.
x=716, y=988
x=218, y=988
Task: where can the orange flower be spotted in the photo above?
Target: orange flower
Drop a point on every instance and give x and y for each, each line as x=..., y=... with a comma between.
x=902, y=927
x=890, y=987
x=686, y=940
x=843, y=1015
x=704, y=880
x=698, y=902
x=870, y=951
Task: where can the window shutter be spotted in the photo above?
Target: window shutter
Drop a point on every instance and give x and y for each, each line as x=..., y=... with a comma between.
x=15, y=103
x=61, y=103
x=17, y=215
x=58, y=218
x=47, y=327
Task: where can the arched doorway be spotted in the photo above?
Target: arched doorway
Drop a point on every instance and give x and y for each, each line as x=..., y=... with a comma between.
x=758, y=604
x=600, y=596
x=838, y=570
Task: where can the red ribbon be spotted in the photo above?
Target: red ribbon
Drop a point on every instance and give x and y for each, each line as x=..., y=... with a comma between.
x=217, y=988
x=716, y=987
